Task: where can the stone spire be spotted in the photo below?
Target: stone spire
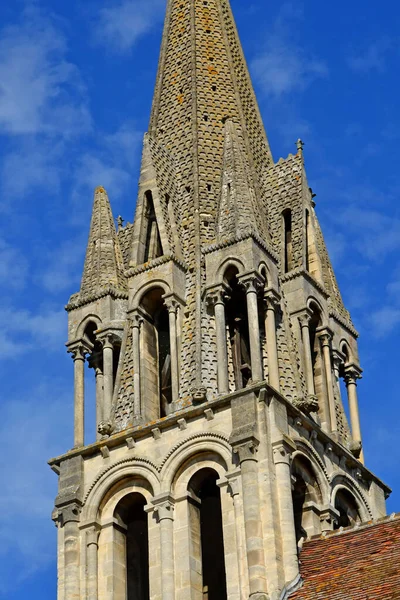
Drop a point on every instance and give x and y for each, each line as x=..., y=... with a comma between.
x=103, y=263
x=202, y=82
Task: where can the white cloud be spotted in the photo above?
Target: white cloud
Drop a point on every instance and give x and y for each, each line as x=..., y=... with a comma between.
x=284, y=66
x=62, y=268
x=40, y=91
x=32, y=430
x=23, y=331
x=13, y=266
x=372, y=58
x=385, y=320
x=119, y=27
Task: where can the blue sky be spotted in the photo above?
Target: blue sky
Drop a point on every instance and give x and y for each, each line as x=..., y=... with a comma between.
x=76, y=81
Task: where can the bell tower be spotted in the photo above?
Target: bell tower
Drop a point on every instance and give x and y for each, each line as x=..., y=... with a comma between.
x=217, y=336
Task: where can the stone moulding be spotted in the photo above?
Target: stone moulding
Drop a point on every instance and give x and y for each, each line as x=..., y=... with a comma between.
x=346, y=324
x=77, y=301
x=300, y=272
x=240, y=238
x=157, y=262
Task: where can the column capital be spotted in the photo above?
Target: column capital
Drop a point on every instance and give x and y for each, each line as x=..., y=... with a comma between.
x=108, y=338
x=171, y=302
x=304, y=317
x=217, y=294
x=338, y=358
x=283, y=450
x=70, y=513
x=164, y=506
x=136, y=317
x=325, y=336
x=245, y=446
x=79, y=349
x=272, y=299
x=252, y=281
x=92, y=534
x=352, y=373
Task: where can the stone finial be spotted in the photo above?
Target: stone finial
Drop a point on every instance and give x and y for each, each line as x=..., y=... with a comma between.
x=300, y=145
x=120, y=222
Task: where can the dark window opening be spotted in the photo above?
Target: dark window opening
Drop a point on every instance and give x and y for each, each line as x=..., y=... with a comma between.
x=153, y=246
x=237, y=321
x=287, y=220
x=133, y=519
x=208, y=512
x=347, y=507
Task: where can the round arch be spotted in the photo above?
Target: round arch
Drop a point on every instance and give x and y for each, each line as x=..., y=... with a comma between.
x=130, y=469
x=307, y=451
x=312, y=304
x=226, y=264
x=80, y=330
x=184, y=458
x=343, y=482
x=148, y=287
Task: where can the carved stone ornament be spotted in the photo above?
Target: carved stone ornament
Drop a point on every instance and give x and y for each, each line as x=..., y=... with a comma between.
x=308, y=405
x=105, y=428
x=355, y=448
x=199, y=395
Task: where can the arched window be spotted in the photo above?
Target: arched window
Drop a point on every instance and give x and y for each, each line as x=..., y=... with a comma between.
x=94, y=412
x=288, y=246
x=306, y=496
x=155, y=356
x=208, y=576
x=317, y=358
x=153, y=246
x=346, y=505
x=131, y=549
x=237, y=322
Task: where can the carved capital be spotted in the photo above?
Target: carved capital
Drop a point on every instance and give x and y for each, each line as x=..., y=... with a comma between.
x=352, y=373
x=356, y=448
x=308, y=405
x=79, y=350
x=70, y=513
x=272, y=300
x=92, y=535
x=304, y=318
x=164, y=507
x=108, y=339
x=252, y=282
x=218, y=294
x=283, y=450
x=171, y=303
x=247, y=449
x=136, y=319
x=325, y=336
x=328, y=517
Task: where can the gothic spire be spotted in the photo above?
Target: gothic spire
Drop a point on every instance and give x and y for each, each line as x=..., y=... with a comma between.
x=103, y=263
x=202, y=82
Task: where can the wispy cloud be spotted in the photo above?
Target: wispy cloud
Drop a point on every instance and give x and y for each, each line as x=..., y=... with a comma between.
x=40, y=91
x=25, y=331
x=120, y=26
x=284, y=65
x=372, y=58
x=13, y=266
x=40, y=423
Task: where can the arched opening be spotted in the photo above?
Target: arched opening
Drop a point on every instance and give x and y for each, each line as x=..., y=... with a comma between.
x=306, y=497
x=94, y=387
x=131, y=548
x=238, y=329
x=155, y=356
x=153, y=247
x=208, y=576
x=287, y=240
x=316, y=357
x=347, y=506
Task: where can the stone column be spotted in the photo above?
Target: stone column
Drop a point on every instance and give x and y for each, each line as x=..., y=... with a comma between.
x=234, y=488
x=282, y=450
x=164, y=508
x=352, y=373
x=325, y=337
x=252, y=282
x=136, y=323
x=99, y=397
x=108, y=375
x=272, y=302
x=171, y=305
x=78, y=353
x=92, y=546
x=216, y=298
x=70, y=519
x=252, y=523
x=304, y=320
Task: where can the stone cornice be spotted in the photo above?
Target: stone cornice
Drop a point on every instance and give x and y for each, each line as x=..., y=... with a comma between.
x=157, y=262
x=76, y=300
x=342, y=321
x=249, y=234
x=300, y=272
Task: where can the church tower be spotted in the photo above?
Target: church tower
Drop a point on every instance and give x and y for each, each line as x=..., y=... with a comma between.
x=216, y=333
